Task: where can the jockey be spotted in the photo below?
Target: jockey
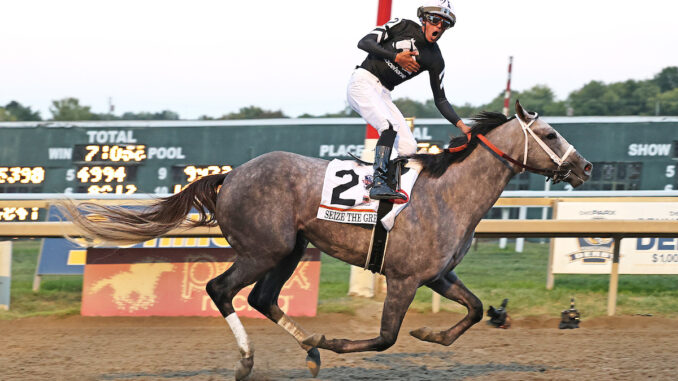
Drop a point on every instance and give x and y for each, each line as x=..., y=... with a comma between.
x=397, y=51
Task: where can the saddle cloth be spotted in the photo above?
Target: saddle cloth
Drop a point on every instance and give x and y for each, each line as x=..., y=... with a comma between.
x=345, y=196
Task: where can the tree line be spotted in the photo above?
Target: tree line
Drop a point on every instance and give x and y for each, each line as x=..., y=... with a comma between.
x=655, y=96
x=69, y=109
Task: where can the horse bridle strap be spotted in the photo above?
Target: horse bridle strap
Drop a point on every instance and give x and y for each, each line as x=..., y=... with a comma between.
x=545, y=172
x=499, y=152
x=554, y=174
x=547, y=149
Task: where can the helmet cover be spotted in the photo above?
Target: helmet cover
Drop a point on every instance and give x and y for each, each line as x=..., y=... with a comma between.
x=442, y=8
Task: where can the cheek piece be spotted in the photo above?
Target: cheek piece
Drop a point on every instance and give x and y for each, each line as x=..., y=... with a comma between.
x=558, y=176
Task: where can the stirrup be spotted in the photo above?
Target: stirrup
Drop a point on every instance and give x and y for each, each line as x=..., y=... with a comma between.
x=387, y=194
x=399, y=201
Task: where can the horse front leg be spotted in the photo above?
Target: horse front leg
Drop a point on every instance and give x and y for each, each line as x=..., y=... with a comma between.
x=452, y=288
x=399, y=295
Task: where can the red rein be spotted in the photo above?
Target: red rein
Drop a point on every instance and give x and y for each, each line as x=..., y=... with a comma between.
x=463, y=146
x=498, y=152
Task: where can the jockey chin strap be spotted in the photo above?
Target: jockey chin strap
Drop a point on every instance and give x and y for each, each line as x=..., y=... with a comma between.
x=556, y=175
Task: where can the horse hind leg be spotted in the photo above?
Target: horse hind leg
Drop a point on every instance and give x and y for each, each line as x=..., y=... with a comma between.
x=264, y=298
x=399, y=295
x=222, y=289
x=451, y=287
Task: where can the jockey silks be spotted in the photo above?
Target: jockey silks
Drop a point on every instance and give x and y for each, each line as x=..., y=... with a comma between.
x=399, y=35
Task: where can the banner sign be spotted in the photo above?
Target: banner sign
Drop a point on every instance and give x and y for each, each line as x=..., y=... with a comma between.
x=59, y=256
x=171, y=282
x=636, y=255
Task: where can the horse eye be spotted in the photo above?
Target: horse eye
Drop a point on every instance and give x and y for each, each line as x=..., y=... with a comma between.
x=551, y=136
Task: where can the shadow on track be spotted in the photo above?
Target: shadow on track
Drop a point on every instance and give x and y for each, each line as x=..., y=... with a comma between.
x=385, y=366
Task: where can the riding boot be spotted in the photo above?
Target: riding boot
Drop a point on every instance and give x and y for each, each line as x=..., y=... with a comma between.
x=384, y=182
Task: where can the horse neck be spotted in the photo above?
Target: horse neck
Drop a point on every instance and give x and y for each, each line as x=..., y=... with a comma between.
x=481, y=177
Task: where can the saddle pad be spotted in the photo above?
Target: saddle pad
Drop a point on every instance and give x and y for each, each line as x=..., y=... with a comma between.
x=346, y=196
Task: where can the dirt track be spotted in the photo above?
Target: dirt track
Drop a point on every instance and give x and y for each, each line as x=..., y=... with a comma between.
x=81, y=348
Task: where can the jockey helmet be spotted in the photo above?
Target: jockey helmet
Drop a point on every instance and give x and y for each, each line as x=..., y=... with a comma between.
x=442, y=8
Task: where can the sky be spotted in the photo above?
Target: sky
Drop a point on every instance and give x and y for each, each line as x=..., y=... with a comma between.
x=214, y=57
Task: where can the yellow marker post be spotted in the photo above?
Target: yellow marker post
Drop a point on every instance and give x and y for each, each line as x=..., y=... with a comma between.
x=5, y=273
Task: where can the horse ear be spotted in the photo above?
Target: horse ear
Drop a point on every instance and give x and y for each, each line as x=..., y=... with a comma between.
x=524, y=115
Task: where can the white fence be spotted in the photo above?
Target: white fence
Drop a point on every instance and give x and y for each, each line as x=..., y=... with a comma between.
x=616, y=229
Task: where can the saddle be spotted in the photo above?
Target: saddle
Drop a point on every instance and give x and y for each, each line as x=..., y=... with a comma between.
x=345, y=198
x=396, y=166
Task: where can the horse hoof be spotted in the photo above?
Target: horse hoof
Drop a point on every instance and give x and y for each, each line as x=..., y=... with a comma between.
x=313, y=361
x=243, y=368
x=314, y=340
x=423, y=333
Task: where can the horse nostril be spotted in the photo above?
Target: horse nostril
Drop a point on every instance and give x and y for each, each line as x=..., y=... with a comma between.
x=588, y=167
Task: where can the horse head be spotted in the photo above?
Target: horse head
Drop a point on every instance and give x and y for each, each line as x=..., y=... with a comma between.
x=546, y=152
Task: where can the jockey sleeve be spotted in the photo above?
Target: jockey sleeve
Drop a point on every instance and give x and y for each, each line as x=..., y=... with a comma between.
x=436, y=75
x=398, y=35
x=370, y=45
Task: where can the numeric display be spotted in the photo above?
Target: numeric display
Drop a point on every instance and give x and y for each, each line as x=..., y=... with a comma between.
x=22, y=175
x=97, y=153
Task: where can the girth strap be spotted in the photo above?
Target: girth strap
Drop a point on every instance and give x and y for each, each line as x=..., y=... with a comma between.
x=379, y=241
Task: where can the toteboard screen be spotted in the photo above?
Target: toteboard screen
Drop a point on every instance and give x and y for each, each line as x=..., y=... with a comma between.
x=162, y=157
x=142, y=157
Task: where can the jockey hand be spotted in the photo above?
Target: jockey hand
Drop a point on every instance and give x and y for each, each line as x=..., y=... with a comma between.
x=407, y=60
x=463, y=127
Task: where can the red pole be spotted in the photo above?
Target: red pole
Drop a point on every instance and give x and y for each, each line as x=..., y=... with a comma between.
x=383, y=16
x=361, y=282
x=507, y=96
x=384, y=12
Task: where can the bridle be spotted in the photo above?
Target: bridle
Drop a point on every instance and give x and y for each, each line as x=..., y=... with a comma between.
x=555, y=175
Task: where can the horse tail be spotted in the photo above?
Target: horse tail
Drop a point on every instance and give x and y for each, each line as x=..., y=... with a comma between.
x=118, y=225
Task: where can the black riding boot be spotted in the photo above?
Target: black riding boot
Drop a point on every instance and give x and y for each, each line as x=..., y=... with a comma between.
x=384, y=179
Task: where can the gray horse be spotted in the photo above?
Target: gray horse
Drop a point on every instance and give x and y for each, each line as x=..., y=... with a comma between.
x=266, y=209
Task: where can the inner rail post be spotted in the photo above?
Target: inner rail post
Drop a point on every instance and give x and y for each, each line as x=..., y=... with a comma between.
x=614, y=278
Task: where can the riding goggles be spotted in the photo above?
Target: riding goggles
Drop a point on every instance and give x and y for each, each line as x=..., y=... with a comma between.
x=435, y=20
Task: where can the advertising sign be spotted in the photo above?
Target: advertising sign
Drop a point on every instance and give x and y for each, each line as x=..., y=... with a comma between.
x=171, y=282
x=59, y=256
x=637, y=255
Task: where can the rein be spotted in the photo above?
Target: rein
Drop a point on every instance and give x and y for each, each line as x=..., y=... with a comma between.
x=556, y=175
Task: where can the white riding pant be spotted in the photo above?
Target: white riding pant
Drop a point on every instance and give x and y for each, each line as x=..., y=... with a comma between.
x=369, y=98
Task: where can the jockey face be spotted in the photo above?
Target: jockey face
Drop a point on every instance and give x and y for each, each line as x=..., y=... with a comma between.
x=433, y=27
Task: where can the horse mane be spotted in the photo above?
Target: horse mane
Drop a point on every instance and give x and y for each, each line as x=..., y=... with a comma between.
x=436, y=164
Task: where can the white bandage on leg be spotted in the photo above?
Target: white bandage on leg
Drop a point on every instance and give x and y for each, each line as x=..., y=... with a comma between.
x=240, y=335
x=291, y=327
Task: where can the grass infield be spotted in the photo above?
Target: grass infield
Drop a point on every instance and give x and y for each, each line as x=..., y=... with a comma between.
x=491, y=273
